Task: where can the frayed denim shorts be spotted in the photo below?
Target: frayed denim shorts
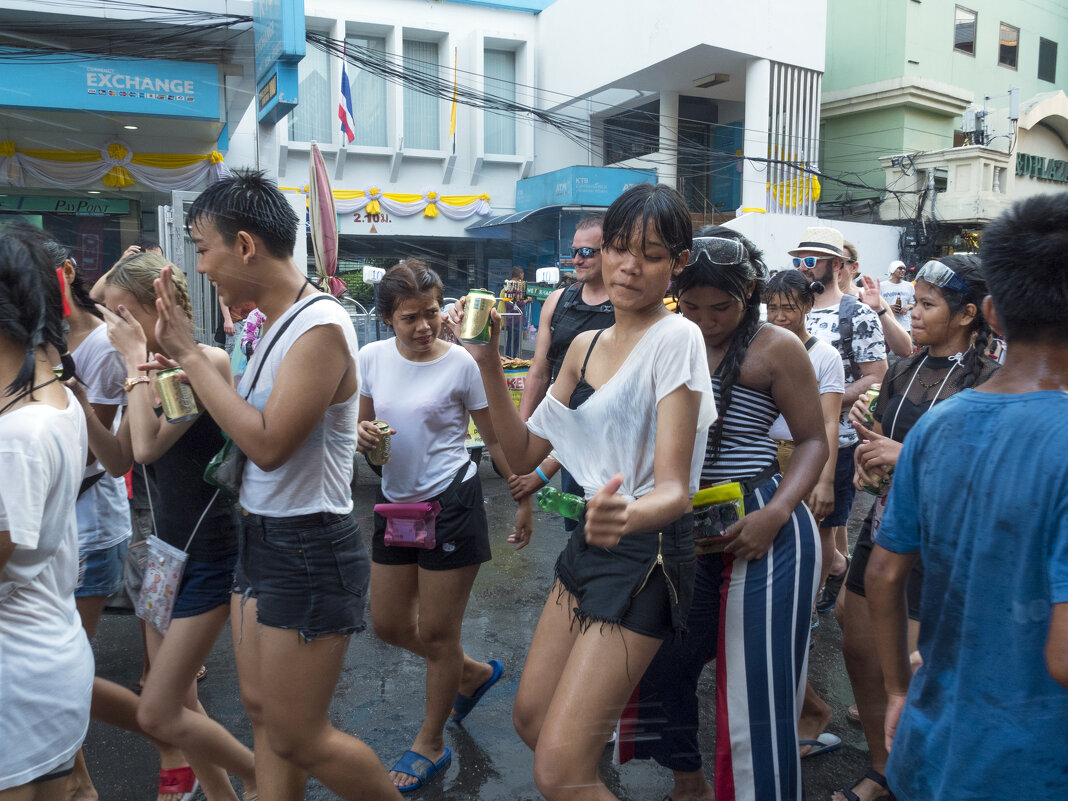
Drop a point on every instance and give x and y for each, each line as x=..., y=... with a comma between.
x=308, y=573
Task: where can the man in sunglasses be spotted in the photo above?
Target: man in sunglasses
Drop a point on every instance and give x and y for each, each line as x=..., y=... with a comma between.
x=852, y=327
x=583, y=306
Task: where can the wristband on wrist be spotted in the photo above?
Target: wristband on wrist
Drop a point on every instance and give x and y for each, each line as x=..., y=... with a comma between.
x=881, y=312
x=541, y=475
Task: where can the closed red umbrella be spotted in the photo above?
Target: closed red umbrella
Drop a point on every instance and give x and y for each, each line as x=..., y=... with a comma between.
x=323, y=217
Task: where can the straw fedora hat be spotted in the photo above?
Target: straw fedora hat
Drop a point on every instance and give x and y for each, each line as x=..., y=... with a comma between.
x=819, y=239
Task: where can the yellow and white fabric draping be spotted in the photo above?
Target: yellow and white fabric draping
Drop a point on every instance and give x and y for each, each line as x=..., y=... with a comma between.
x=115, y=165
x=373, y=201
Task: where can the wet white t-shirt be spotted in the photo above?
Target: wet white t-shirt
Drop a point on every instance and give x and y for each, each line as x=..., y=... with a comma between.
x=614, y=431
x=318, y=477
x=428, y=405
x=46, y=665
x=103, y=510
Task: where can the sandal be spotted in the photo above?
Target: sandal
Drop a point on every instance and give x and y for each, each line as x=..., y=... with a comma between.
x=181, y=782
x=202, y=673
x=417, y=765
x=463, y=705
x=829, y=596
x=874, y=776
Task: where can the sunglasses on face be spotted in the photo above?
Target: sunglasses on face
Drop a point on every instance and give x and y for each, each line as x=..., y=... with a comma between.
x=809, y=262
x=586, y=253
x=718, y=250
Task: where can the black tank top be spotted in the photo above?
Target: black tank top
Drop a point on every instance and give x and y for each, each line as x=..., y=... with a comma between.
x=183, y=496
x=570, y=319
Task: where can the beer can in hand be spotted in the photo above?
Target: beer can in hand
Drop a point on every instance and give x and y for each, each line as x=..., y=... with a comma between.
x=379, y=454
x=475, y=326
x=177, y=398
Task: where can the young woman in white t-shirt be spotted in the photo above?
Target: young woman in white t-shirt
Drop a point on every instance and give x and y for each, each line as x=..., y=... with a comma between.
x=426, y=389
x=46, y=665
x=302, y=566
x=628, y=417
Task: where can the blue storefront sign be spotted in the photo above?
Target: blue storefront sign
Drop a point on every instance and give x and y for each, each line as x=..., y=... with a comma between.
x=578, y=186
x=279, y=32
x=117, y=86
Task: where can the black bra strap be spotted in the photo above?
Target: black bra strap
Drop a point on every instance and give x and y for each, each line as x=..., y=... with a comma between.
x=582, y=375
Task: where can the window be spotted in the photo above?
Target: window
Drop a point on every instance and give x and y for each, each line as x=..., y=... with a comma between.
x=1047, y=60
x=368, y=93
x=421, y=127
x=500, y=82
x=312, y=118
x=964, y=31
x=633, y=133
x=1008, y=46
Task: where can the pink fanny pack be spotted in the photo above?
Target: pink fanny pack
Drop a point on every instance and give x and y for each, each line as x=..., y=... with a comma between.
x=410, y=525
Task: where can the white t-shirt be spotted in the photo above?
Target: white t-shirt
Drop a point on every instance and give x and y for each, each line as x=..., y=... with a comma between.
x=829, y=375
x=103, y=510
x=46, y=665
x=614, y=431
x=907, y=293
x=868, y=346
x=428, y=405
x=318, y=477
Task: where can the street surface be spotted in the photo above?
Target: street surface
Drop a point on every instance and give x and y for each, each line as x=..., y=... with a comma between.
x=380, y=694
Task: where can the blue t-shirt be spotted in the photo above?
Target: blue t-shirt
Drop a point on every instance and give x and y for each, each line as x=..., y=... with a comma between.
x=981, y=492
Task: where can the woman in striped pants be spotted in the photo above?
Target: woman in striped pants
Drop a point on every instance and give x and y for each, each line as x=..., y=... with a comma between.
x=753, y=596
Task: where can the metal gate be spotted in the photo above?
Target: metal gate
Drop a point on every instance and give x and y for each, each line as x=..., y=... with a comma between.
x=180, y=251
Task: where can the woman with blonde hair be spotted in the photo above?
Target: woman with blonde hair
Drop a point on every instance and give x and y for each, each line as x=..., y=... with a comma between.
x=189, y=515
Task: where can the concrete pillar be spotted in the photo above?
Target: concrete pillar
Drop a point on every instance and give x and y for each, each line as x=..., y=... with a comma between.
x=668, y=171
x=755, y=142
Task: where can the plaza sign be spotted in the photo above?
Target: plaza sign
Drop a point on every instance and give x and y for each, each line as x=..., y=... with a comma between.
x=1042, y=168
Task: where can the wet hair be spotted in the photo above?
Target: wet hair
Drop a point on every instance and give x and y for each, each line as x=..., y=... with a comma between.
x=793, y=285
x=1023, y=263
x=404, y=281
x=56, y=253
x=593, y=221
x=147, y=244
x=658, y=206
x=968, y=268
x=734, y=279
x=247, y=201
x=135, y=275
x=31, y=306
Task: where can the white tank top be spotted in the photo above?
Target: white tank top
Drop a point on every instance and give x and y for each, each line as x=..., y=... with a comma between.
x=318, y=476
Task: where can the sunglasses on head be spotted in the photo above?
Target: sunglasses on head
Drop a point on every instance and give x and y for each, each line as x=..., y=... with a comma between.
x=586, y=253
x=718, y=250
x=937, y=274
x=809, y=262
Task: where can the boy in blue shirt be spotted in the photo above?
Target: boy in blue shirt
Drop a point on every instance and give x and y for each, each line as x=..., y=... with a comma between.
x=981, y=495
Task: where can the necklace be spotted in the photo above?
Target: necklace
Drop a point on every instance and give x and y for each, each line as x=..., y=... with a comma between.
x=893, y=424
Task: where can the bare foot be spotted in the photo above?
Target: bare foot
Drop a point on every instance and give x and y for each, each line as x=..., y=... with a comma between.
x=816, y=716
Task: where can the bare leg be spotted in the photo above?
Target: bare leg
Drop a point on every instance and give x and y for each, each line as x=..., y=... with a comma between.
x=816, y=716
x=54, y=790
x=297, y=680
x=601, y=672
x=691, y=787
x=430, y=630
x=834, y=562
x=276, y=779
x=169, y=709
x=546, y=658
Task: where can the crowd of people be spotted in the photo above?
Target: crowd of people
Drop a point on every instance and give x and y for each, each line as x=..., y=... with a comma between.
x=798, y=388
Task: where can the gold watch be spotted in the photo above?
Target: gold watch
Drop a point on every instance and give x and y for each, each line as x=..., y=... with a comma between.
x=130, y=383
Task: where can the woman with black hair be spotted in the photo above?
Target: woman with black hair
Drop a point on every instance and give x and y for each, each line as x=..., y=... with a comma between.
x=46, y=665
x=627, y=416
x=949, y=327
x=753, y=595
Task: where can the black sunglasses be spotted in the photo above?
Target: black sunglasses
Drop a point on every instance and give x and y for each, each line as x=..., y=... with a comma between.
x=586, y=253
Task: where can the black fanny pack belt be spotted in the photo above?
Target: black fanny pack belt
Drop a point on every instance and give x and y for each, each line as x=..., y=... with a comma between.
x=750, y=484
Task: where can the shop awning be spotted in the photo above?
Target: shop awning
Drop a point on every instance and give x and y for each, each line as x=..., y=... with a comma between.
x=520, y=216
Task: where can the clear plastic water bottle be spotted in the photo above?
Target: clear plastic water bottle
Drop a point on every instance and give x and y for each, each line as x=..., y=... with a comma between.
x=562, y=503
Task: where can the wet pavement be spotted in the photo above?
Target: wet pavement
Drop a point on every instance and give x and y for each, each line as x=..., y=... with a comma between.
x=379, y=697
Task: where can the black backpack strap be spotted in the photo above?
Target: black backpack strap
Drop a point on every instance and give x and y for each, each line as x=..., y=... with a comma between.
x=846, y=309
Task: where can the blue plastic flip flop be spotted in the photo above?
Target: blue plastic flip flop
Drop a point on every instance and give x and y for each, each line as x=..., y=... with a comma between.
x=463, y=705
x=413, y=764
x=823, y=744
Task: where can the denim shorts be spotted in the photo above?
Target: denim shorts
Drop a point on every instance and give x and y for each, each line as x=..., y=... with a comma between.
x=844, y=491
x=100, y=572
x=205, y=586
x=307, y=573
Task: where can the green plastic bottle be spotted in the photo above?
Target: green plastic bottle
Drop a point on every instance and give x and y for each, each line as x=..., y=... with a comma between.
x=562, y=503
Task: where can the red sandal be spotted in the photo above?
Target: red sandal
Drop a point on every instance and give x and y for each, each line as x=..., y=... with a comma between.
x=178, y=781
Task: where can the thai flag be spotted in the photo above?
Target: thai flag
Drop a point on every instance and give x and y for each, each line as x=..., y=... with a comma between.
x=344, y=107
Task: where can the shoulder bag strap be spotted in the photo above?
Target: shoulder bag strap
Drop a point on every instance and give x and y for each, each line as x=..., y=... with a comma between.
x=846, y=310
x=278, y=334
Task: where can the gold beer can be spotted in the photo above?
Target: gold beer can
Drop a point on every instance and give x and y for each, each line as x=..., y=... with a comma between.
x=475, y=327
x=177, y=398
x=379, y=455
